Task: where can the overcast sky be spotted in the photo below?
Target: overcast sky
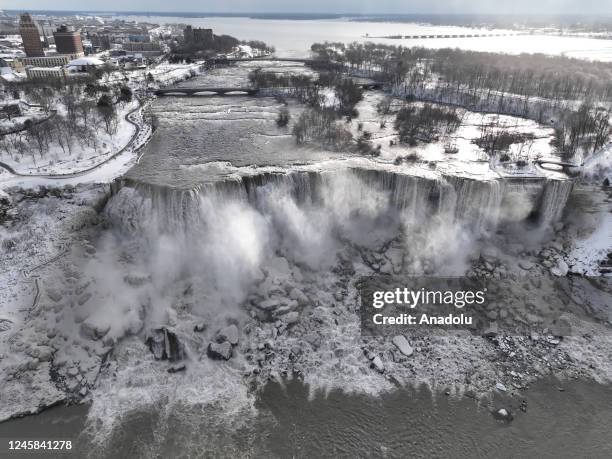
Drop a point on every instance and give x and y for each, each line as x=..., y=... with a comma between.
x=325, y=6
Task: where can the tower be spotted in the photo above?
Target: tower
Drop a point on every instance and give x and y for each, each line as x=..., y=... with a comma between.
x=30, y=36
x=68, y=41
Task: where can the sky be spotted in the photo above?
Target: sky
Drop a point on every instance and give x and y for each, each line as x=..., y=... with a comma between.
x=551, y=7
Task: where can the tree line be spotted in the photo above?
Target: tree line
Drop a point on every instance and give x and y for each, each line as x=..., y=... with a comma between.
x=572, y=95
x=529, y=75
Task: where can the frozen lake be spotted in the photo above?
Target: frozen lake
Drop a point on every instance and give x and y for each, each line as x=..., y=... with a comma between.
x=292, y=38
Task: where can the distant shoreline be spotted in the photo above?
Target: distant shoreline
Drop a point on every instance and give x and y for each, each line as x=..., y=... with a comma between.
x=592, y=23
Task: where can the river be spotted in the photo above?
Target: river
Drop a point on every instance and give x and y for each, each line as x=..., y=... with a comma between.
x=561, y=420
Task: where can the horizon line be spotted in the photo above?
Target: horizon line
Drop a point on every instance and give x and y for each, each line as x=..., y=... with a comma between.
x=299, y=13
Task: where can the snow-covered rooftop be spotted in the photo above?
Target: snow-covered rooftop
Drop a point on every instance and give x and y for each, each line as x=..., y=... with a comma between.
x=85, y=61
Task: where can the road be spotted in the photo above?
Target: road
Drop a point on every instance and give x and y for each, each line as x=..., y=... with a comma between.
x=90, y=169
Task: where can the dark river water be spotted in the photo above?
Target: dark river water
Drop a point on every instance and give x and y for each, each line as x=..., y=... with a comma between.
x=562, y=420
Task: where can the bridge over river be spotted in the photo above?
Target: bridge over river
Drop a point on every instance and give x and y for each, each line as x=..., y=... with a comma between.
x=226, y=60
x=235, y=91
x=570, y=169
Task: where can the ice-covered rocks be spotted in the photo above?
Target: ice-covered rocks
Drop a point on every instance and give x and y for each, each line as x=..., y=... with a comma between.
x=378, y=364
x=561, y=269
x=503, y=414
x=229, y=334
x=299, y=296
x=165, y=345
x=5, y=324
x=402, y=344
x=500, y=387
x=41, y=353
x=93, y=330
x=53, y=294
x=225, y=340
x=177, y=368
x=219, y=351
x=136, y=279
x=269, y=309
x=526, y=265
x=291, y=318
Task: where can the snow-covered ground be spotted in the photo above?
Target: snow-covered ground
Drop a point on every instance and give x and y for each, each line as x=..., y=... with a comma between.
x=470, y=159
x=38, y=231
x=57, y=161
x=103, y=171
x=28, y=112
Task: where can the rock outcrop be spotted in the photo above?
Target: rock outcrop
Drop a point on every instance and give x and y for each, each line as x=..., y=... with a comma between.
x=165, y=345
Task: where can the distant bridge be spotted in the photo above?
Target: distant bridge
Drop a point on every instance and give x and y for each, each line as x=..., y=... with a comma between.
x=207, y=91
x=228, y=60
x=204, y=90
x=568, y=168
x=430, y=36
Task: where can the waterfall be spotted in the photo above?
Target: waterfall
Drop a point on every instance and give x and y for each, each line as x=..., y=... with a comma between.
x=553, y=201
x=477, y=204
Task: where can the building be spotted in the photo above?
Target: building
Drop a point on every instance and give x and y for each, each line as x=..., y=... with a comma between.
x=83, y=64
x=197, y=36
x=146, y=49
x=47, y=27
x=15, y=64
x=44, y=73
x=30, y=36
x=68, y=41
x=100, y=41
x=53, y=60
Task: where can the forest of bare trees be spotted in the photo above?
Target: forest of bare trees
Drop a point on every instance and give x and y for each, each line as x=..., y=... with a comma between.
x=574, y=96
x=529, y=75
x=426, y=123
x=76, y=113
x=320, y=125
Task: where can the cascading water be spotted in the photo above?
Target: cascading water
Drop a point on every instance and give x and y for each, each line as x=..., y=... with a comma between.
x=477, y=204
x=553, y=200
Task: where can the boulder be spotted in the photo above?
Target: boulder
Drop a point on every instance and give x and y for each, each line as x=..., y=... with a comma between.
x=299, y=296
x=229, y=334
x=219, y=351
x=165, y=345
x=94, y=331
x=378, y=365
x=491, y=331
x=402, y=344
x=561, y=269
x=269, y=305
x=54, y=294
x=562, y=326
x=136, y=279
x=177, y=368
x=503, y=414
x=526, y=265
x=291, y=317
x=500, y=387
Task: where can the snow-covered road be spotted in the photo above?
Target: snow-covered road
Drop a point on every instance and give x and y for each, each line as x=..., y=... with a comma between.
x=104, y=171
